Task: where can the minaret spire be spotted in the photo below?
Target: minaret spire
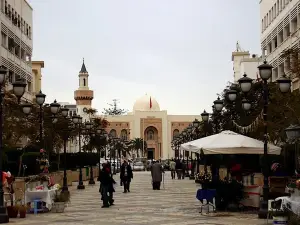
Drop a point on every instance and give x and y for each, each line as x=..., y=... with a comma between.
x=83, y=68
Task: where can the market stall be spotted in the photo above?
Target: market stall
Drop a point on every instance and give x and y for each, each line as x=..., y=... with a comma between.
x=231, y=143
x=40, y=192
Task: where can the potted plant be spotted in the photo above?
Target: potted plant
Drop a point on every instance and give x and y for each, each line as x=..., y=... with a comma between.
x=60, y=200
x=22, y=210
x=12, y=211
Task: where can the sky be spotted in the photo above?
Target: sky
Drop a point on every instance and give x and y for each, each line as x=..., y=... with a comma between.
x=178, y=51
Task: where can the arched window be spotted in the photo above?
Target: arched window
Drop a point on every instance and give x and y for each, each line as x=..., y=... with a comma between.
x=175, y=133
x=113, y=133
x=84, y=82
x=150, y=135
x=124, y=134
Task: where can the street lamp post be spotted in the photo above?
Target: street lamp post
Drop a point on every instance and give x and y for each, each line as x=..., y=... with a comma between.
x=196, y=125
x=40, y=100
x=91, y=134
x=205, y=118
x=101, y=134
x=64, y=112
x=19, y=90
x=77, y=120
x=265, y=72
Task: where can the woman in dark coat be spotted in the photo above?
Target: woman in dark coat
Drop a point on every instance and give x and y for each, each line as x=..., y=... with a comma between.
x=126, y=175
x=106, y=186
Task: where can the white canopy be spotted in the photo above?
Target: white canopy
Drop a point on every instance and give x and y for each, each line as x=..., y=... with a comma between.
x=228, y=142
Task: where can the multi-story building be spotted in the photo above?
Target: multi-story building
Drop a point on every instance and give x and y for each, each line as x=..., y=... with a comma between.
x=16, y=42
x=280, y=22
x=37, y=67
x=244, y=64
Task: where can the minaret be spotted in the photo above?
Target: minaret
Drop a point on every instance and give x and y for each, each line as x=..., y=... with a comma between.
x=83, y=95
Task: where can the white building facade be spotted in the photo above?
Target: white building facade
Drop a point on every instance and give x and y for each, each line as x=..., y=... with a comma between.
x=280, y=22
x=243, y=63
x=16, y=42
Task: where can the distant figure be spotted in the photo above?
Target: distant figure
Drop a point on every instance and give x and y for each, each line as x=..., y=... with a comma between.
x=172, y=168
x=126, y=175
x=178, y=168
x=156, y=173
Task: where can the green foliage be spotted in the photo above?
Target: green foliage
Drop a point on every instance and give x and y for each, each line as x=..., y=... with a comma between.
x=139, y=144
x=96, y=141
x=283, y=110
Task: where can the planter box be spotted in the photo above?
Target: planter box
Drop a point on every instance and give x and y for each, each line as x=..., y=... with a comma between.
x=58, y=207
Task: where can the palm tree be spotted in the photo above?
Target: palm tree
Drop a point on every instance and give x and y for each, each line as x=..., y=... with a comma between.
x=139, y=144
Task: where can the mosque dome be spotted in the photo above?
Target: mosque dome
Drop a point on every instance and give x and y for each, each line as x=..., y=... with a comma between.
x=146, y=103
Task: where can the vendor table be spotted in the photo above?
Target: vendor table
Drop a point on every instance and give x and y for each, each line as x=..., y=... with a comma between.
x=252, y=196
x=46, y=196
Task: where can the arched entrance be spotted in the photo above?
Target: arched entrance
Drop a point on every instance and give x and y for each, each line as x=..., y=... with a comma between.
x=153, y=145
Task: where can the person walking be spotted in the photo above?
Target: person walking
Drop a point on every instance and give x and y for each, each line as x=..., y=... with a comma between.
x=178, y=168
x=172, y=168
x=106, y=186
x=156, y=173
x=126, y=175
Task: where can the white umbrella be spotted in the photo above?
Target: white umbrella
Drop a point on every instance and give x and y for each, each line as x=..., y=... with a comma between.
x=228, y=142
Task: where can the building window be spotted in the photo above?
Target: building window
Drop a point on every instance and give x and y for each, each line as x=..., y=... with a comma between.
x=27, y=30
x=17, y=50
x=10, y=44
x=84, y=82
x=23, y=54
x=29, y=85
x=2, y=5
x=4, y=39
x=8, y=12
x=124, y=134
x=175, y=133
x=113, y=133
x=22, y=25
x=29, y=34
x=19, y=21
x=150, y=135
x=10, y=76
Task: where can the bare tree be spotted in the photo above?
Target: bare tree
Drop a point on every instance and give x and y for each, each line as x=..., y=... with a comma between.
x=114, y=110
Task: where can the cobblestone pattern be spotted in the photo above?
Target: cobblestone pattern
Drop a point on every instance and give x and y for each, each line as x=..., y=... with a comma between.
x=175, y=204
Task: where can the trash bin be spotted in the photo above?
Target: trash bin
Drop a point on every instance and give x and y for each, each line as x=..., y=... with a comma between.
x=87, y=171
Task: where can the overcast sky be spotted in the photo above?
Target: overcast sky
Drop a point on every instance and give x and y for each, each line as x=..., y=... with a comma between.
x=179, y=51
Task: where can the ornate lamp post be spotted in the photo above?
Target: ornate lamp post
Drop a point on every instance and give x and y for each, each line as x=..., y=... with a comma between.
x=77, y=120
x=100, y=133
x=91, y=133
x=64, y=113
x=196, y=125
x=265, y=72
x=18, y=90
x=40, y=100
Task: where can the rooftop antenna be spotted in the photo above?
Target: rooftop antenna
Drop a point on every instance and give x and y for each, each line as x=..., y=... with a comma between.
x=238, y=47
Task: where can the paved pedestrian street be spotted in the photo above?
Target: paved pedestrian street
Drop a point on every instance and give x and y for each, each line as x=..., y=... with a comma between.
x=174, y=204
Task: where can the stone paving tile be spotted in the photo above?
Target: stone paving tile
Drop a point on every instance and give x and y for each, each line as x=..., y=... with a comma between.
x=175, y=204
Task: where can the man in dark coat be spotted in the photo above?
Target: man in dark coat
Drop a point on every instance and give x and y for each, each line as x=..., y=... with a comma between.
x=126, y=175
x=106, y=186
x=156, y=173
